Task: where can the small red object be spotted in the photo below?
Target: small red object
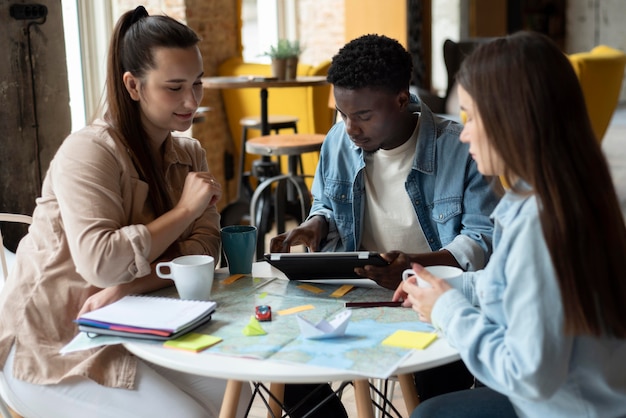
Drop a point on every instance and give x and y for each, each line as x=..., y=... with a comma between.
x=263, y=313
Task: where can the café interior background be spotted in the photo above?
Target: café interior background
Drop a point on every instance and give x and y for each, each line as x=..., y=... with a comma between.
x=38, y=79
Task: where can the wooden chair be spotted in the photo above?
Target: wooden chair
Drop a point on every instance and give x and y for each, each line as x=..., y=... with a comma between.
x=7, y=408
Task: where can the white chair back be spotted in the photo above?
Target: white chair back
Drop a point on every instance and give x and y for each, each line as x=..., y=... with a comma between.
x=4, y=255
x=4, y=408
x=4, y=411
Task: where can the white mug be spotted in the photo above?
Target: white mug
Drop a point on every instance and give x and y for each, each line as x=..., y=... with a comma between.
x=192, y=275
x=443, y=272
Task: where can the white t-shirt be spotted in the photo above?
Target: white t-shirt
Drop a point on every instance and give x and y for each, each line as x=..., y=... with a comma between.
x=389, y=220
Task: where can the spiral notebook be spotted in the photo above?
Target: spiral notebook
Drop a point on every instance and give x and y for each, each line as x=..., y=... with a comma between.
x=149, y=317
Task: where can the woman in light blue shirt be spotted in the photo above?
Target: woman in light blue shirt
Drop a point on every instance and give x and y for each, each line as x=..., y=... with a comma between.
x=543, y=325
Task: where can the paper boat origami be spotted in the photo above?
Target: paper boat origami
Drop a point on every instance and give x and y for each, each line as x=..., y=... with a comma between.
x=324, y=329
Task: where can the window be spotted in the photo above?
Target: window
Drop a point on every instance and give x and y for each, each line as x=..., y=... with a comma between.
x=87, y=26
x=263, y=23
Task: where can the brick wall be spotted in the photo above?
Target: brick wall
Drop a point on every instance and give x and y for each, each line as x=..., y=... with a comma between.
x=322, y=32
x=35, y=111
x=217, y=22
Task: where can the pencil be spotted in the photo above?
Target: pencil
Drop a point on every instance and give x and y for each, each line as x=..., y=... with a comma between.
x=372, y=304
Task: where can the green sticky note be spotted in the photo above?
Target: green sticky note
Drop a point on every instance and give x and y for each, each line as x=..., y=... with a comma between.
x=410, y=339
x=192, y=342
x=253, y=328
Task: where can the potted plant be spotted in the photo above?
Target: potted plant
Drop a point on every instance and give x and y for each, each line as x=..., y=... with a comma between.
x=284, y=57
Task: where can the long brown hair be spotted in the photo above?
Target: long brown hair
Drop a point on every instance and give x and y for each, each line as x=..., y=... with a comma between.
x=135, y=37
x=534, y=114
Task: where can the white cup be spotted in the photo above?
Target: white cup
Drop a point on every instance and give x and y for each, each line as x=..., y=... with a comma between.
x=443, y=272
x=192, y=275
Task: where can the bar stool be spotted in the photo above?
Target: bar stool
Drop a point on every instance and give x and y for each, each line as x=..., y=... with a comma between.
x=293, y=146
x=236, y=212
x=275, y=123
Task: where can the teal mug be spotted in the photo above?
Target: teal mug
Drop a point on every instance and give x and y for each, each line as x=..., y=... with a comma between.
x=239, y=246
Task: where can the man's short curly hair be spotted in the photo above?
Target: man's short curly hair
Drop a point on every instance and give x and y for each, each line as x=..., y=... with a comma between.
x=372, y=61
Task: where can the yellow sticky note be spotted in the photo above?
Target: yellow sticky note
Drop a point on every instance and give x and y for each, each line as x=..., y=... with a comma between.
x=296, y=309
x=341, y=291
x=192, y=342
x=253, y=328
x=233, y=278
x=310, y=288
x=410, y=339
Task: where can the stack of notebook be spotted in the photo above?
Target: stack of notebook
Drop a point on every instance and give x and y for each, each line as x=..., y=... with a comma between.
x=156, y=318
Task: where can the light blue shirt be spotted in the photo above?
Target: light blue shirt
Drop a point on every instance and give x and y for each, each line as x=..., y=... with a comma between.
x=507, y=323
x=451, y=198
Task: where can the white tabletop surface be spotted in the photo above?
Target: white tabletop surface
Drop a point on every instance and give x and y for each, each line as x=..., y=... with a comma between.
x=248, y=369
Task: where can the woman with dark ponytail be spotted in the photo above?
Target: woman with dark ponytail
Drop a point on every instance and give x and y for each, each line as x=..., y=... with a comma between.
x=120, y=195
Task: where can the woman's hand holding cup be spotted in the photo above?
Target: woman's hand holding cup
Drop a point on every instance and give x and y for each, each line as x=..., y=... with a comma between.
x=422, y=286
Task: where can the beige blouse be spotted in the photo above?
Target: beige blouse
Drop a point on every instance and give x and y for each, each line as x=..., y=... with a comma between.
x=89, y=230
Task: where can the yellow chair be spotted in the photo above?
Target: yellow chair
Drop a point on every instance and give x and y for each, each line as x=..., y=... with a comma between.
x=600, y=72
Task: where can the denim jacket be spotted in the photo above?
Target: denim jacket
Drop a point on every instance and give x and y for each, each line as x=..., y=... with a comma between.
x=451, y=198
x=507, y=323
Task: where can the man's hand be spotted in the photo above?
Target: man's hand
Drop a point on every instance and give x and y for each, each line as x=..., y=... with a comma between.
x=387, y=276
x=390, y=276
x=309, y=234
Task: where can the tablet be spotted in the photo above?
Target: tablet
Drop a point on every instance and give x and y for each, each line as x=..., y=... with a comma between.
x=323, y=265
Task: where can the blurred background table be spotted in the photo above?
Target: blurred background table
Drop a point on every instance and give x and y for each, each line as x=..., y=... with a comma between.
x=263, y=168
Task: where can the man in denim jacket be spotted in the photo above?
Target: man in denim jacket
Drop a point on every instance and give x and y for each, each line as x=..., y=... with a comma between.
x=392, y=177
x=395, y=179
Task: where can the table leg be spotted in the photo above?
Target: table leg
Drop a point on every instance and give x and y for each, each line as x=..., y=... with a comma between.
x=231, y=399
x=409, y=392
x=265, y=130
x=278, y=390
x=363, y=399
